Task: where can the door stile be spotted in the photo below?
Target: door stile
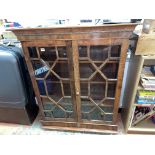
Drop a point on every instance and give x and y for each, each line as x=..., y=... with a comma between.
x=72, y=52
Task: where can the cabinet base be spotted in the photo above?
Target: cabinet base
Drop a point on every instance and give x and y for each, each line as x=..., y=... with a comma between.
x=83, y=127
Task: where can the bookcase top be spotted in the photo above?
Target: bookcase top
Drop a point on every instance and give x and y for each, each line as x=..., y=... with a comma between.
x=75, y=32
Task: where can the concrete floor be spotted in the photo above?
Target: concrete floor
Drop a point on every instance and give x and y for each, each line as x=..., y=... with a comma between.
x=36, y=129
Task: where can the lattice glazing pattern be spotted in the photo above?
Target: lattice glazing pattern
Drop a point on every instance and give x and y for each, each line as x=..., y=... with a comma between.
x=98, y=66
x=50, y=66
x=98, y=77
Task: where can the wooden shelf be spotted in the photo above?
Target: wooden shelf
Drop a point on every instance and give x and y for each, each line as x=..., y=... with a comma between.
x=144, y=105
x=145, y=126
x=133, y=84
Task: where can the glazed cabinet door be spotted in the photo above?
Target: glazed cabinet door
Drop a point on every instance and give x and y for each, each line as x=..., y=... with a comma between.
x=77, y=80
x=49, y=66
x=101, y=64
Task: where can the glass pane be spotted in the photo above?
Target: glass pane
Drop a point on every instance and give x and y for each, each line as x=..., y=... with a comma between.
x=86, y=105
x=86, y=69
x=48, y=53
x=54, y=85
x=54, y=90
x=40, y=69
x=52, y=78
x=108, y=118
x=62, y=52
x=61, y=68
x=110, y=70
x=111, y=89
x=98, y=77
x=66, y=103
x=82, y=51
x=32, y=52
x=84, y=89
x=115, y=50
x=41, y=87
x=92, y=112
x=67, y=89
x=62, y=110
x=99, y=53
x=97, y=91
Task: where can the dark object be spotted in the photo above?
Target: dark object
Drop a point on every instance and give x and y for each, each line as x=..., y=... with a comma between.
x=17, y=100
x=153, y=119
x=16, y=24
x=135, y=20
x=86, y=21
x=152, y=69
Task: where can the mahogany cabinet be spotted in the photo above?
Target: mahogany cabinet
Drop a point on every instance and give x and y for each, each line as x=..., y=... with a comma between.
x=77, y=74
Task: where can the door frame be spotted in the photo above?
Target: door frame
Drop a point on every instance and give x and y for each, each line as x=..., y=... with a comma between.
x=123, y=52
x=54, y=43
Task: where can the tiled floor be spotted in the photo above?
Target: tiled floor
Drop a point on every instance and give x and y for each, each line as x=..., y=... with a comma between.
x=36, y=129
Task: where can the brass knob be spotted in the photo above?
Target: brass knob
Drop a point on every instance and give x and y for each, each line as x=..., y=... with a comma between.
x=77, y=93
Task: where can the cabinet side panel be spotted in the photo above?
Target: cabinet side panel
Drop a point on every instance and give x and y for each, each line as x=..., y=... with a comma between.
x=124, y=48
x=30, y=69
x=133, y=75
